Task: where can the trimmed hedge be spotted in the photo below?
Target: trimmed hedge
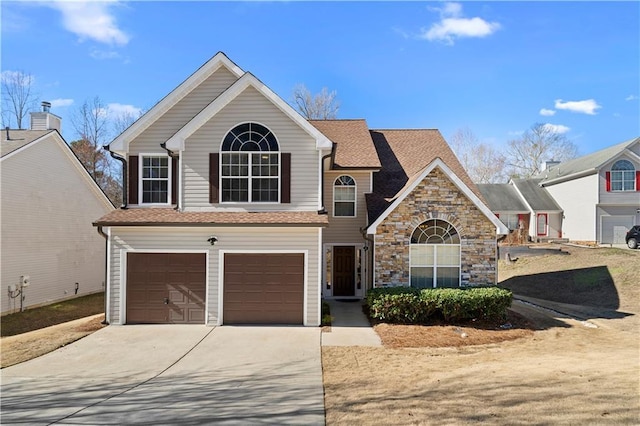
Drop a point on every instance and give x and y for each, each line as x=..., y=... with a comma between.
x=408, y=305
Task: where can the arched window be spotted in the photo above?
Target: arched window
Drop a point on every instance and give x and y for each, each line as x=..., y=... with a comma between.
x=250, y=164
x=623, y=176
x=344, y=196
x=435, y=255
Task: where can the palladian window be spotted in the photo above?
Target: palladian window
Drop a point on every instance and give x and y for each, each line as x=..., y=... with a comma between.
x=623, y=176
x=435, y=255
x=250, y=164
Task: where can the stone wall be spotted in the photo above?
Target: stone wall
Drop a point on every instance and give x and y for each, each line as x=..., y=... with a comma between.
x=436, y=198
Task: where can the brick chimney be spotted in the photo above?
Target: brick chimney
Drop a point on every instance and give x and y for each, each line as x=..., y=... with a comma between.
x=45, y=120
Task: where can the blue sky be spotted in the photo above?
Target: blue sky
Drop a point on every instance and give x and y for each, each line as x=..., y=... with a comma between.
x=493, y=67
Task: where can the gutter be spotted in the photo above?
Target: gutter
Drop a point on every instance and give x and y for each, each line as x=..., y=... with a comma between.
x=106, y=263
x=323, y=210
x=172, y=155
x=125, y=197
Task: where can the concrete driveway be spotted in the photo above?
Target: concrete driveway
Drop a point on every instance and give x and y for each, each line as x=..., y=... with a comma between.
x=172, y=374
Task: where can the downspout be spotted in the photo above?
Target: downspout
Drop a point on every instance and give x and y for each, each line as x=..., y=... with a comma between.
x=106, y=263
x=172, y=155
x=125, y=198
x=323, y=210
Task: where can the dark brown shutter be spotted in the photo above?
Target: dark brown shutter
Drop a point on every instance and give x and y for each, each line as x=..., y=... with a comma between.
x=174, y=180
x=285, y=178
x=133, y=179
x=214, y=172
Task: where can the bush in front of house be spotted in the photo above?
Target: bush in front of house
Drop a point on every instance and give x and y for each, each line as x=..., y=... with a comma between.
x=406, y=305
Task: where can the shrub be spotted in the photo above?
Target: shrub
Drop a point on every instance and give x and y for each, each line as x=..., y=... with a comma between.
x=415, y=306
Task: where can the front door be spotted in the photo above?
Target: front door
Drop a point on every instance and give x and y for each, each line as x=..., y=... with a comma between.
x=344, y=270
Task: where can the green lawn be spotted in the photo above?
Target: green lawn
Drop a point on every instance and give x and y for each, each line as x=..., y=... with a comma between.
x=56, y=313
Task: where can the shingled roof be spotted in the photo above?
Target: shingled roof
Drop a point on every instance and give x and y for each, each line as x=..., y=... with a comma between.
x=172, y=217
x=19, y=138
x=502, y=197
x=404, y=153
x=353, y=145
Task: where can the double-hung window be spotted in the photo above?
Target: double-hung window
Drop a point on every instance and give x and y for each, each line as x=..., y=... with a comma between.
x=156, y=178
x=250, y=164
x=623, y=176
x=434, y=255
x=344, y=196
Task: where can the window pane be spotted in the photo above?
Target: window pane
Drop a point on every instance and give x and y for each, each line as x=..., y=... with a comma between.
x=422, y=277
x=264, y=190
x=345, y=194
x=154, y=191
x=448, y=255
x=448, y=277
x=235, y=189
x=421, y=255
x=344, y=209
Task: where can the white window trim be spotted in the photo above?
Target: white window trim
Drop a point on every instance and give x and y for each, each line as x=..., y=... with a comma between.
x=435, y=264
x=622, y=179
x=355, y=198
x=141, y=157
x=249, y=178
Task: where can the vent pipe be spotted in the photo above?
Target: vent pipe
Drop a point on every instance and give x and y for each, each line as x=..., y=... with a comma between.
x=46, y=106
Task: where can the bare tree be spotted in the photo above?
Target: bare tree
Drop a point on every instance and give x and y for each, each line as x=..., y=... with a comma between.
x=122, y=121
x=322, y=106
x=483, y=163
x=17, y=97
x=90, y=123
x=540, y=143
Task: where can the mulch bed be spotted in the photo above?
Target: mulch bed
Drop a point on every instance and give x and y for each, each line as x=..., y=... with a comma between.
x=440, y=334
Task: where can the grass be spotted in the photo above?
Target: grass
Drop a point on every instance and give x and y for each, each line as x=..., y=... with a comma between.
x=56, y=313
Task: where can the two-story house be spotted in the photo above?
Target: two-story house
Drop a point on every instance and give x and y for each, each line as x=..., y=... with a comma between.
x=599, y=193
x=239, y=210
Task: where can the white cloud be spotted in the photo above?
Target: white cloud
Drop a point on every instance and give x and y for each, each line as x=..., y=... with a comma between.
x=452, y=25
x=91, y=20
x=116, y=110
x=547, y=112
x=515, y=132
x=103, y=54
x=588, y=106
x=556, y=128
x=60, y=102
x=17, y=78
x=631, y=98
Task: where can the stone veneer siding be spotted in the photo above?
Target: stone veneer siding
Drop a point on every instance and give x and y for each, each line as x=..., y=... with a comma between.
x=436, y=197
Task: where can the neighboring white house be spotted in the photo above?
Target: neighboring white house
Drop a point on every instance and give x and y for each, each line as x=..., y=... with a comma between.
x=242, y=211
x=599, y=193
x=48, y=202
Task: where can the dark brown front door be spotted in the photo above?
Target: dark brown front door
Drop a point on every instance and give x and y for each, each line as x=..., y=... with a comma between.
x=343, y=270
x=166, y=288
x=263, y=288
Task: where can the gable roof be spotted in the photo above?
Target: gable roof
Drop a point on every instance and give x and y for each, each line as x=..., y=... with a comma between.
x=585, y=165
x=18, y=139
x=120, y=143
x=21, y=140
x=419, y=177
x=404, y=153
x=353, y=144
x=502, y=197
x=176, y=142
x=537, y=197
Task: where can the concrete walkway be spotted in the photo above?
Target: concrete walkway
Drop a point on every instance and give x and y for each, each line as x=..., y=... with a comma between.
x=349, y=326
x=172, y=374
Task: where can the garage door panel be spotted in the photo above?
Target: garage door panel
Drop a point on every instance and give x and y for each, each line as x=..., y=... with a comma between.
x=156, y=278
x=263, y=288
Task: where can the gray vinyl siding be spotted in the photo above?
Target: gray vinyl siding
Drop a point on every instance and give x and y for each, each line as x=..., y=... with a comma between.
x=252, y=106
x=195, y=239
x=48, y=206
x=188, y=107
x=346, y=229
x=617, y=197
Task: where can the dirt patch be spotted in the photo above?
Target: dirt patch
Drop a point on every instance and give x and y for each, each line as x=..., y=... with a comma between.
x=564, y=372
x=446, y=335
x=26, y=346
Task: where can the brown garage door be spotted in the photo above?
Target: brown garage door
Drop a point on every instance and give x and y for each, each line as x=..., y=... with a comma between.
x=166, y=288
x=263, y=288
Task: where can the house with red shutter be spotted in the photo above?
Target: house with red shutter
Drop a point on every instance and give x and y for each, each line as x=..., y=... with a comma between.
x=594, y=198
x=239, y=210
